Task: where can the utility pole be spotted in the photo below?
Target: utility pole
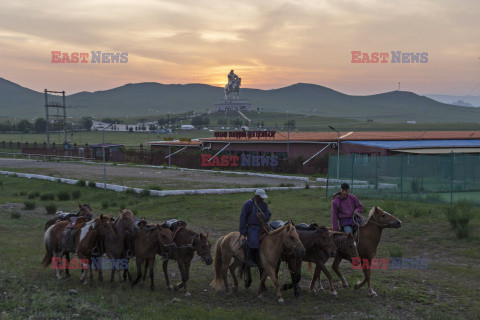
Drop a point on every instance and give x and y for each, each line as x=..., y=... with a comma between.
x=338, y=151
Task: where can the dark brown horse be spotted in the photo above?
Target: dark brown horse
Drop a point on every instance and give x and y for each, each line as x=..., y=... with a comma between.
x=114, y=243
x=346, y=249
x=368, y=237
x=188, y=242
x=84, y=211
x=152, y=240
x=84, y=241
x=318, y=242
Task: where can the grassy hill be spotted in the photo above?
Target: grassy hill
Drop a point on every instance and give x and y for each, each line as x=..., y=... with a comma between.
x=144, y=99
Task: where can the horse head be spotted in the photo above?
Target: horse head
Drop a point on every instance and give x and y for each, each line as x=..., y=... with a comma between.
x=86, y=211
x=165, y=238
x=384, y=219
x=325, y=240
x=349, y=247
x=127, y=221
x=103, y=225
x=292, y=242
x=202, y=246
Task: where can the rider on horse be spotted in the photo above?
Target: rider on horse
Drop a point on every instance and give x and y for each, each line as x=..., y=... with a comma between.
x=344, y=207
x=255, y=215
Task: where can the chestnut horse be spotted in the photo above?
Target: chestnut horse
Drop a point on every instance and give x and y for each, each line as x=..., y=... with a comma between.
x=271, y=247
x=368, y=237
x=318, y=242
x=152, y=240
x=188, y=242
x=85, y=211
x=84, y=241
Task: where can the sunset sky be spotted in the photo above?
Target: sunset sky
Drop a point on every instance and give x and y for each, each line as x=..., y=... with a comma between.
x=269, y=44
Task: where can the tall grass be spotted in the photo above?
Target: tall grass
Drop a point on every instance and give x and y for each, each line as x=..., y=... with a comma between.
x=459, y=216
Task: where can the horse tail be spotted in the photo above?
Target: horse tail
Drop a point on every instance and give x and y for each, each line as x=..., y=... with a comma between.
x=218, y=264
x=47, y=259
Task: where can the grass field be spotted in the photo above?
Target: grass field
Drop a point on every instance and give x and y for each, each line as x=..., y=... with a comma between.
x=448, y=289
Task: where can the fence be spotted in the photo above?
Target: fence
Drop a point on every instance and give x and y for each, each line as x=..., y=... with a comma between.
x=431, y=178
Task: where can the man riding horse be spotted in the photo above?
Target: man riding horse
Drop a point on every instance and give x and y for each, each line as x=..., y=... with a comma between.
x=344, y=207
x=254, y=217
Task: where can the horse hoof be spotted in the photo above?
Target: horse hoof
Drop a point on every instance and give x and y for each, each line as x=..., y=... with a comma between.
x=356, y=287
x=281, y=301
x=373, y=294
x=187, y=294
x=170, y=288
x=346, y=286
x=334, y=293
x=234, y=289
x=313, y=290
x=260, y=296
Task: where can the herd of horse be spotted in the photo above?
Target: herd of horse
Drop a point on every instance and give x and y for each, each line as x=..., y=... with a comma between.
x=127, y=237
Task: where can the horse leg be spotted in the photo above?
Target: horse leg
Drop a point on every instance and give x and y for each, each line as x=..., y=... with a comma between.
x=329, y=277
x=181, y=267
x=58, y=269
x=296, y=276
x=151, y=263
x=271, y=273
x=366, y=272
x=286, y=286
x=263, y=278
x=335, y=265
x=145, y=273
x=165, y=272
x=248, y=277
x=235, y=264
x=316, y=274
x=187, y=276
x=139, y=271
x=67, y=269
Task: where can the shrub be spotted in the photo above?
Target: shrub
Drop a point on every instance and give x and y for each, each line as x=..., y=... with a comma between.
x=434, y=198
x=395, y=251
x=122, y=206
x=51, y=208
x=105, y=204
x=145, y=193
x=155, y=187
x=63, y=196
x=15, y=215
x=92, y=184
x=307, y=185
x=129, y=191
x=47, y=196
x=22, y=193
x=81, y=183
x=459, y=216
x=33, y=195
x=29, y=205
x=415, y=185
x=76, y=194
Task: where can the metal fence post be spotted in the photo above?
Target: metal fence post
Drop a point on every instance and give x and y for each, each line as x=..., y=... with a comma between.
x=401, y=177
x=451, y=177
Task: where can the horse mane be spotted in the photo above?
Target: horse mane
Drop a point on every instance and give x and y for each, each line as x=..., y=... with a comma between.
x=338, y=233
x=274, y=232
x=372, y=211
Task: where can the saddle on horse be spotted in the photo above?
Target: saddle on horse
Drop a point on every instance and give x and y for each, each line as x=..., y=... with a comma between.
x=68, y=235
x=174, y=224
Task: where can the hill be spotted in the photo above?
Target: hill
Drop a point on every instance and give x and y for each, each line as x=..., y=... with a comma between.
x=150, y=98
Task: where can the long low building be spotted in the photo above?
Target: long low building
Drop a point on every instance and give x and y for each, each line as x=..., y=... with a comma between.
x=308, y=146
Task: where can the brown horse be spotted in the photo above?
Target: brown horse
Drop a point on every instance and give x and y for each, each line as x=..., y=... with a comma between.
x=271, y=247
x=368, y=237
x=115, y=244
x=152, y=240
x=188, y=242
x=346, y=248
x=84, y=241
x=85, y=211
x=318, y=244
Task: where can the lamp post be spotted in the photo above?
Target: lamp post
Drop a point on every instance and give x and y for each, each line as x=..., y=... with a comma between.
x=338, y=151
x=103, y=148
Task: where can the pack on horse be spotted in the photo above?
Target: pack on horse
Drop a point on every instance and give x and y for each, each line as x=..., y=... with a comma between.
x=188, y=242
x=284, y=239
x=62, y=238
x=114, y=244
x=368, y=236
x=317, y=241
x=346, y=248
x=84, y=211
x=152, y=240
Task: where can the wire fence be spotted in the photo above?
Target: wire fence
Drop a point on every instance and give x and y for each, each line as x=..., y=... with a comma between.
x=444, y=178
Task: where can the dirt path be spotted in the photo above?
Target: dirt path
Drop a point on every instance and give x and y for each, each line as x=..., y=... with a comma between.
x=141, y=177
